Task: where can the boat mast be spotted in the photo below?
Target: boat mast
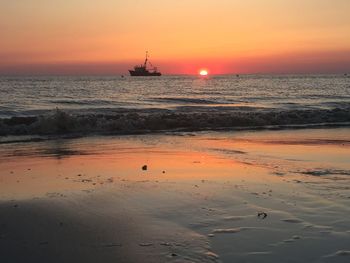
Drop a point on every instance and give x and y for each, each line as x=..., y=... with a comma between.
x=145, y=64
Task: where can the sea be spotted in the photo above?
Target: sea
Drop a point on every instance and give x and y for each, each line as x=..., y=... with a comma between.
x=84, y=105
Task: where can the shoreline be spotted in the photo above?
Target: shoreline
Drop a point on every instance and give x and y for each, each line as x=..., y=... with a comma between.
x=88, y=199
x=21, y=138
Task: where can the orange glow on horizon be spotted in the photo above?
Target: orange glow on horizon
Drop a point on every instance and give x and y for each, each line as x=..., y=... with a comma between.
x=79, y=36
x=203, y=72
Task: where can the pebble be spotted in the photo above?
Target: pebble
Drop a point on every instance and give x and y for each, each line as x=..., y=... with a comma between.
x=262, y=215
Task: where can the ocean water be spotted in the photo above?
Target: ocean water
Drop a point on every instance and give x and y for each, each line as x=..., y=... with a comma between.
x=47, y=105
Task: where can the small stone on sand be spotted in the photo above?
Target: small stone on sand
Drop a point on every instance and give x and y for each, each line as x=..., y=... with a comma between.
x=262, y=215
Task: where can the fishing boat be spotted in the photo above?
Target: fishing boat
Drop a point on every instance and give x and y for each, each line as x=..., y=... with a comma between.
x=142, y=70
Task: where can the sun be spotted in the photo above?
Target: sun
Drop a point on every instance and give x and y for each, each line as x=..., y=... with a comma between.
x=203, y=72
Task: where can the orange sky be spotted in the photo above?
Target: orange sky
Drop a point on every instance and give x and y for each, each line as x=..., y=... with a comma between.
x=225, y=36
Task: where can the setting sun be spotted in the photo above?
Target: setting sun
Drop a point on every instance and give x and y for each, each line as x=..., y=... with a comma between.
x=203, y=72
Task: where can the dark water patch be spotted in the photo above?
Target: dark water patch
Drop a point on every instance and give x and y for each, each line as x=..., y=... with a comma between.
x=60, y=152
x=221, y=108
x=228, y=151
x=325, y=172
x=308, y=142
x=17, y=140
x=13, y=121
x=83, y=102
x=184, y=100
x=53, y=149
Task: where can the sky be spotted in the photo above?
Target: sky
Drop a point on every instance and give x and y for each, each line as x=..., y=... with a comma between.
x=182, y=36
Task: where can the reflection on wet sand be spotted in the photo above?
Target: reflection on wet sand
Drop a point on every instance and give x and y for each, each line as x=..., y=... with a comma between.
x=200, y=196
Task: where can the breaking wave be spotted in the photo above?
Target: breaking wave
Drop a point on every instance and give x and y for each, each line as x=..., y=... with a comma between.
x=154, y=120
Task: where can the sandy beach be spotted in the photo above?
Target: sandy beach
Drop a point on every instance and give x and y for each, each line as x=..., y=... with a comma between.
x=249, y=196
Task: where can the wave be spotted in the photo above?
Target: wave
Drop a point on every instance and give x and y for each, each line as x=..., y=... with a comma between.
x=83, y=102
x=156, y=120
x=185, y=100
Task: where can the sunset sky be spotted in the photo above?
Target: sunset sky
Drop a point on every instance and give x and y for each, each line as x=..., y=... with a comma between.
x=223, y=36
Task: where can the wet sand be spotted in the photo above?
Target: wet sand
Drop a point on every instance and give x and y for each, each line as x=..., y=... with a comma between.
x=269, y=196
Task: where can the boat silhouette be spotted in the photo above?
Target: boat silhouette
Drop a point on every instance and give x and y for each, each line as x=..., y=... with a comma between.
x=142, y=70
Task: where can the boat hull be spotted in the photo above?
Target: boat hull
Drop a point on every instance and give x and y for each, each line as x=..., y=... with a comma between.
x=140, y=74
